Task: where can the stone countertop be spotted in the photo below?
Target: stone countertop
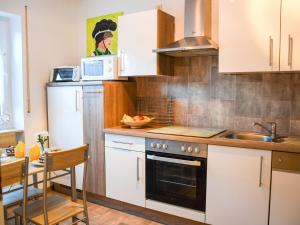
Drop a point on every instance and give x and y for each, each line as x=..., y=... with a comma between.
x=290, y=144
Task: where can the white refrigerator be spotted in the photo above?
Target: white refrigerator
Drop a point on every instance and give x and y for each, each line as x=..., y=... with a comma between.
x=65, y=123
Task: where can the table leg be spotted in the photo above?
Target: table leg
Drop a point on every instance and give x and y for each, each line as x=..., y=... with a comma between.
x=35, y=180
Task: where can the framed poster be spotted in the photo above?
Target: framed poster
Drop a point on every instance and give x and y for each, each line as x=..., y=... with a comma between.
x=102, y=35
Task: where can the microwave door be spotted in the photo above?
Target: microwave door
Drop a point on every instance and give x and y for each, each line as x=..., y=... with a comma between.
x=93, y=70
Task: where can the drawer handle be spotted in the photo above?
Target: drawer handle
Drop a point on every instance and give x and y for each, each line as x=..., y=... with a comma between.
x=260, y=171
x=137, y=168
x=271, y=51
x=121, y=142
x=92, y=92
x=290, y=54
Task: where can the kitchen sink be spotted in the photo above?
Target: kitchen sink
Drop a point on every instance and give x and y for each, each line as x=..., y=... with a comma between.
x=249, y=136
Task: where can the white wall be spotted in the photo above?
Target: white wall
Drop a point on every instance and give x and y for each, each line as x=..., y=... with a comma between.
x=53, y=41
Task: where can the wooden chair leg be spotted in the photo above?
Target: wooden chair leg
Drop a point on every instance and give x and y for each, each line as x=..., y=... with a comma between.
x=87, y=221
x=5, y=213
x=16, y=219
x=74, y=220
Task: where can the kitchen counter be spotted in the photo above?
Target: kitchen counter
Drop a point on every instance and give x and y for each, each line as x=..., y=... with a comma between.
x=73, y=83
x=291, y=144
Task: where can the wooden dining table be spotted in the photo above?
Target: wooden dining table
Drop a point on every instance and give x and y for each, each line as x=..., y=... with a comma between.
x=33, y=170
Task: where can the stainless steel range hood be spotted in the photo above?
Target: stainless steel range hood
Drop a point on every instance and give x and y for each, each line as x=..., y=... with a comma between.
x=197, y=32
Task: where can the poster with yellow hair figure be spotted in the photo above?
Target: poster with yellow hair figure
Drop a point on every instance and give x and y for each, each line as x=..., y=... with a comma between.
x=102, y=35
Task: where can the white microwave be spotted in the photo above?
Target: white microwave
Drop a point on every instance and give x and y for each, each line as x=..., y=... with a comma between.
x=100, y=68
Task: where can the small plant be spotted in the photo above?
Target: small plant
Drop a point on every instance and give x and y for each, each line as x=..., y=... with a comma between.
x=42, y=139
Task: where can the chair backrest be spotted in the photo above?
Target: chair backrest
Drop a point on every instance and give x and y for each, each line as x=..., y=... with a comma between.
x=13, y=172
x=66, y=159
x=16, y=172
x=63, y=160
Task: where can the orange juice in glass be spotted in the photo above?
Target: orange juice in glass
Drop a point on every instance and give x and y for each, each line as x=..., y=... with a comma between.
x=34, y=152
x=20, y=150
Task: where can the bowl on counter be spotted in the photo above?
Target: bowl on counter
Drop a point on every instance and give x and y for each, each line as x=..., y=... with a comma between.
x=136, y=121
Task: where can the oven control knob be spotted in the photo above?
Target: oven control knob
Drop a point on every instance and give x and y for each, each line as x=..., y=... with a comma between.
x=183, y=149
x=190, y=149
x=159, y=146
x=165, y=146
x=153, y=145
x=196, y=150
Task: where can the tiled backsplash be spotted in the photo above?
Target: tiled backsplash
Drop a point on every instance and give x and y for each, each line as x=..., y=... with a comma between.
x=205, y=98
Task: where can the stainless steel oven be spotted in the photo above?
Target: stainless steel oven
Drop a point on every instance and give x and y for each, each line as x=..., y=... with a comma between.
x=176, y=173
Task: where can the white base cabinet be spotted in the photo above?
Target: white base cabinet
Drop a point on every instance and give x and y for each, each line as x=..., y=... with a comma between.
x=238, y=186
x=285, y=198
x=125, y=175
x=125, y=170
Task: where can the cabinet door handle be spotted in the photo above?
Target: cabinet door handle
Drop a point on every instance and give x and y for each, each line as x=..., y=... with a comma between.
x=122, y=61
x=121, y=142
x=92, y=92
x=271, y=51
x=76, y=104
x=260, y=170
x=290, y=53
x=137, y=168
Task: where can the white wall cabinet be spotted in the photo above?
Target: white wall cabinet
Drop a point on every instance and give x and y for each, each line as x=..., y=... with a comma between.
x=249, y=35
x=238, y=186
x=259, y=36
x=125, y=170
x=290, y=36
x=138, y=34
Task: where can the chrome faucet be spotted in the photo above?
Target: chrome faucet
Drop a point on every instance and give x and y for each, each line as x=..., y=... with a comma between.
x=272, y=132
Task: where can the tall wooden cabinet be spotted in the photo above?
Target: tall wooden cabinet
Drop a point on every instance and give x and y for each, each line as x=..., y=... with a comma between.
x=238, y=186
x=140, y=33
x=93, y=124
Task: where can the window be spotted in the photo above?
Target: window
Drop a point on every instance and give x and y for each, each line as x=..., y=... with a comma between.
x=5, y=81
x=11, y=72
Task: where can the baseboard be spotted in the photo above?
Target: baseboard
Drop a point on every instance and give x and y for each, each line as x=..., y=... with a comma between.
x=145, y=213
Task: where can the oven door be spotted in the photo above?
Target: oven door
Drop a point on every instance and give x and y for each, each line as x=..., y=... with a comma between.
x=175, y=179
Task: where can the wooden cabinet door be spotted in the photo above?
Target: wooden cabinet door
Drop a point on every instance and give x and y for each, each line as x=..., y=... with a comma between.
x=249, y=35
x=290, y=36
x=92, y=97
x=125, y=175
x=137, y=37
x=238, y=186
x=285, y=198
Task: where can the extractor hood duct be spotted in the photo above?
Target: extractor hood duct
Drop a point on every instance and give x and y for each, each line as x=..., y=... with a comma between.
x=197, y=32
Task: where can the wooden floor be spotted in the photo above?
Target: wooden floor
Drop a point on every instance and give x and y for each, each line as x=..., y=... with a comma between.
x=100, y=215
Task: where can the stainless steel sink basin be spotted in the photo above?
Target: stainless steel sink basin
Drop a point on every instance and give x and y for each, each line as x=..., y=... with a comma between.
x=249, y=136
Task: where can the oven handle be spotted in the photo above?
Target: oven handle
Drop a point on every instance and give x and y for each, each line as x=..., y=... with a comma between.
x=172, y=160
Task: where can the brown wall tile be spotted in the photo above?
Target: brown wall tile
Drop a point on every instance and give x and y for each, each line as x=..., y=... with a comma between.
x=249, y=102
x=205, y=98
x=200, y=69
x=277, y=86
x=295, y=127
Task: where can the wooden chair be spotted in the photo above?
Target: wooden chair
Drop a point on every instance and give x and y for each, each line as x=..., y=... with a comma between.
x=16, y=172
x=54, y=209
